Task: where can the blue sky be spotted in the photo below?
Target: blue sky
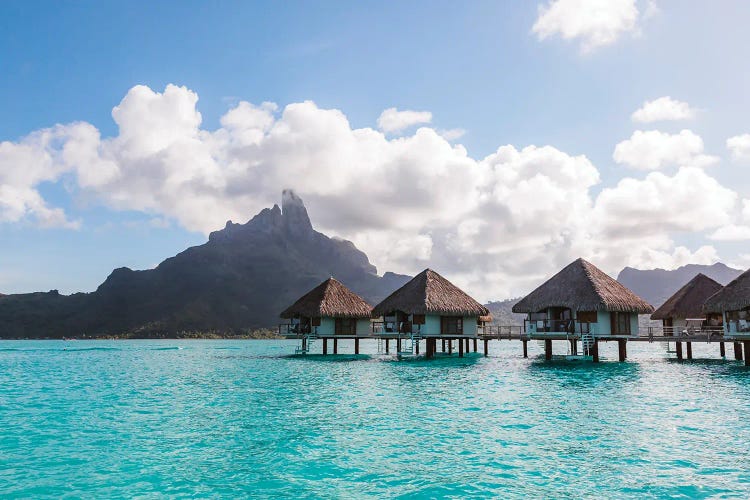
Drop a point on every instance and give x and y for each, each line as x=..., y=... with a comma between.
x=476, y=66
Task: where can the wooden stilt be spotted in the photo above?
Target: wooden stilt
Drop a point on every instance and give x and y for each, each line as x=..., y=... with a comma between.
x=678, y=350
x=304, y=344
x=475, y=345
x=325, y=346
x=427, y=352
x=356, y=346
x=486, y=347
x=398, y=345
x=689, y=350
x=460, y=348
x=595, y=351
x=450, y=346
x=548, y=349
x=443, y=344
x=417, y=348
x=335, y=346
x=525, y=348
x=387, y=346
x=573, y=347
x=622, y=349
x=467, y=346
x=722, y=351
x=737, y=351
x=747, y=352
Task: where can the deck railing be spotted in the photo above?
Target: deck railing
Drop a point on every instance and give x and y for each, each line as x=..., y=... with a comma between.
x=684, y=331
x=291, y=329
x=558, y=326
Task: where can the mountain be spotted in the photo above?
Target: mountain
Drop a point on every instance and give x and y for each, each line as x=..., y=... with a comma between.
x=239, y=280
x=657, y=285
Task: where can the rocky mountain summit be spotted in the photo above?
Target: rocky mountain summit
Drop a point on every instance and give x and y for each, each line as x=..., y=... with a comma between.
x=240, y=279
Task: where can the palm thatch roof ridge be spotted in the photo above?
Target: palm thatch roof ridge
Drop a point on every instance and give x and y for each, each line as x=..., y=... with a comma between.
x=733, y=297
x=581, y=286
x=430, y=293
x=331, y=298
x=687, y=302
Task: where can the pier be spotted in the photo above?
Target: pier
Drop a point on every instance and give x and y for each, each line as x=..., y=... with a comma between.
x=409, y=345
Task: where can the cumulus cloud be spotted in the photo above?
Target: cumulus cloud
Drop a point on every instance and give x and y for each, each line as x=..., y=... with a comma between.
x=731, y=232
x=652, y=149
x=495, y=225
x=739, y=147
x=392, y=120
x=663, y=109
x=595, y=23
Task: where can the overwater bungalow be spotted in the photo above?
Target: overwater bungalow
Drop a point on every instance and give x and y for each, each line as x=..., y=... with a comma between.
x=682, y=313
x=430, y=306
x=581, y=302
x=328, y=310
x=733, y=303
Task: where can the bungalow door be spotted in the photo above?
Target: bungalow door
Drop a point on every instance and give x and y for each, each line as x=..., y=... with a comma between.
x=451, y=325
x=345, y=326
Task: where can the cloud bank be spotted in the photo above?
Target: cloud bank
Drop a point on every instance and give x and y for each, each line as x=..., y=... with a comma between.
x=496, y=225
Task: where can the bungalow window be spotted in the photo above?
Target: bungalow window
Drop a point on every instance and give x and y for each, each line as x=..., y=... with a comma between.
x=585, y=318
x=346, y=326
x=451, y=325
x=620, y=323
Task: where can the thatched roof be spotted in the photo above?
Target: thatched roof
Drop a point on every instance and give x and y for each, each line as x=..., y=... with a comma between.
x=581, y=286
x=430, y=293
x=733, y=297
x=688, y=301
x=332, y=299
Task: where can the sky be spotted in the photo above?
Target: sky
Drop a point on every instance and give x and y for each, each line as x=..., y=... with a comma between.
x=492, y=141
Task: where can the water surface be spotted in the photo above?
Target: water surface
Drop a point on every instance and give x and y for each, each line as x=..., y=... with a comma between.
x=238, y=418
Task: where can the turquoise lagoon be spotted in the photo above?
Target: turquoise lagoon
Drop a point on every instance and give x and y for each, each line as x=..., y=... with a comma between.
x=200, y=418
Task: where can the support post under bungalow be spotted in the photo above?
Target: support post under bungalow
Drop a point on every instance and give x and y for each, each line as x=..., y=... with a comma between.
x=387, y=346
x=475, y=344
x=427, y=349
x=450, y=346
x=443, y=340
x=460, y=348
x=485, y=347
x=335, y=346
x=417, y=348
x=304, y=344
x=595, y=351
x=356, y=346
x=622, y=349
x=737, y=351
x=548, y=349
x=398, y=344
x=467, y=346
x=525, y=348
x=325, y=346
x=747, y=352
x=678, y=350
x=573, y=347
x=722, y=352
x=689, y=350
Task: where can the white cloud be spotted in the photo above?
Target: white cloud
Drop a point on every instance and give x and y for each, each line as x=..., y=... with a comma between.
x=652, y=149
x=746, y=210
x=731, y=232
x=392, y=120
x=595, y=23
x=452, y=134
x=663, y=109
x=739, y=146
x=495, y=225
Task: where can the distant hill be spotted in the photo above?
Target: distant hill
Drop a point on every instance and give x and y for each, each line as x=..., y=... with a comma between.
x=502, y=313
x=240, y=279
x=657, y=285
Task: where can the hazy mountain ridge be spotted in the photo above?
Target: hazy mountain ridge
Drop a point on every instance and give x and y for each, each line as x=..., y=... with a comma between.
x=657, y=285
x=240, y=279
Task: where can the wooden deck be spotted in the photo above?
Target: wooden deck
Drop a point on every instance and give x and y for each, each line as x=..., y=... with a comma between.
x=465, y=343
